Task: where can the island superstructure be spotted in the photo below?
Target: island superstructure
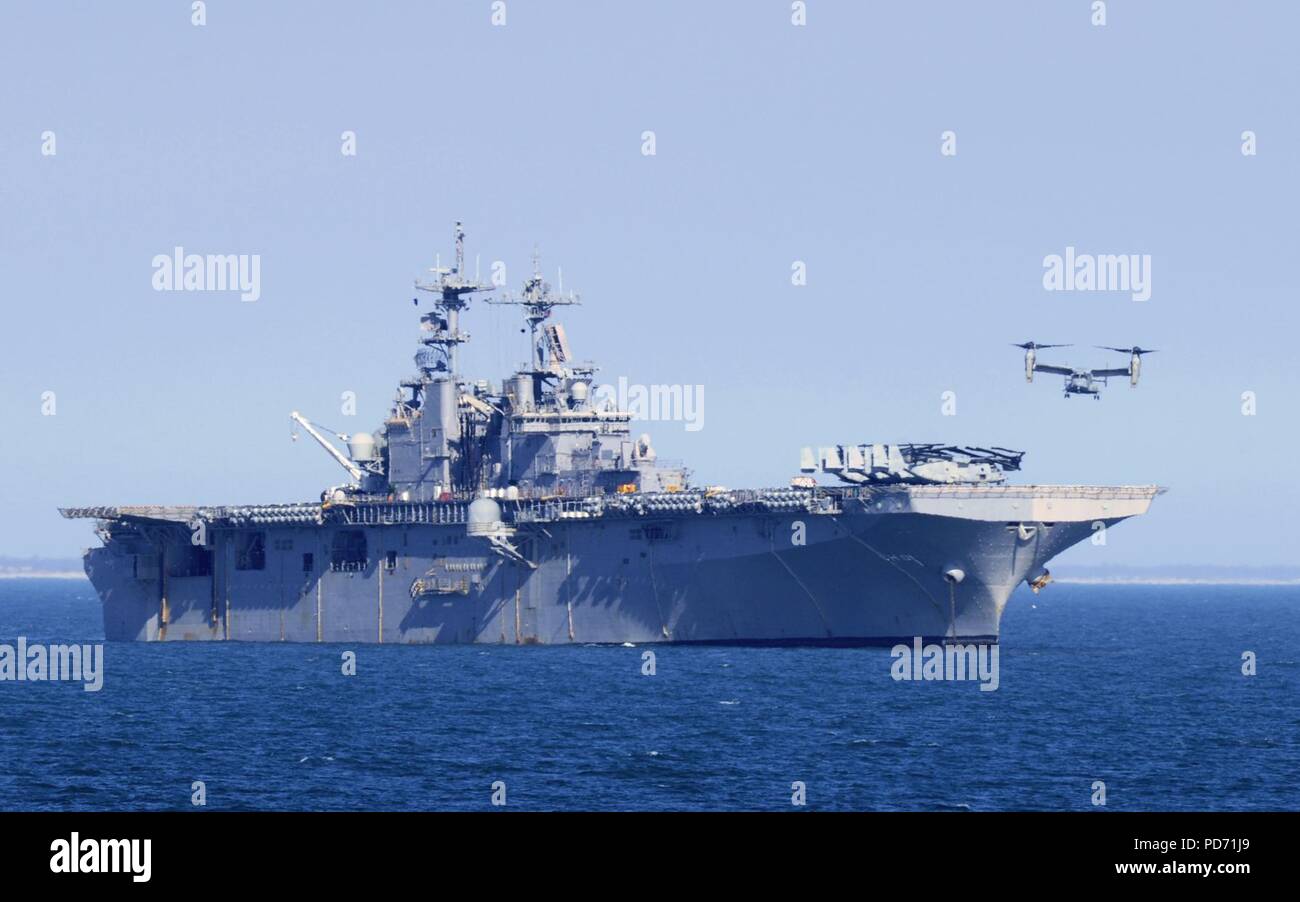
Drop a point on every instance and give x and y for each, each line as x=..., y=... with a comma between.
x=527, y=512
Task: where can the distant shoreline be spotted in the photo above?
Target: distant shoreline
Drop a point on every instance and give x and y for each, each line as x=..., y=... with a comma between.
x=45, y=574
x=1173, y=581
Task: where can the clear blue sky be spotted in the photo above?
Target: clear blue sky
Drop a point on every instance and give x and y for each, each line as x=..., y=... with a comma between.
x=775, y=143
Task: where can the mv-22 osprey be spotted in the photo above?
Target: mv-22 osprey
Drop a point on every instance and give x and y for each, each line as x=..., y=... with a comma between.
x=1084, y=382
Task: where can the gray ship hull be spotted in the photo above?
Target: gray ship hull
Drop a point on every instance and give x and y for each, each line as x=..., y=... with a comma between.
x=874, y=569
x=528, y=513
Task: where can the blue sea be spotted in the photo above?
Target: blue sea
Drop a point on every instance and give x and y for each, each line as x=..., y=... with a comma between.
x=1140, y=687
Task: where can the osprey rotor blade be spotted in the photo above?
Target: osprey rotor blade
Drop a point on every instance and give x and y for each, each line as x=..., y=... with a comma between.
x=1136, y=349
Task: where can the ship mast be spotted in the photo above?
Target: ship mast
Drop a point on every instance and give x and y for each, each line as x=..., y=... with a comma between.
x=537, y=301
x=451, y=288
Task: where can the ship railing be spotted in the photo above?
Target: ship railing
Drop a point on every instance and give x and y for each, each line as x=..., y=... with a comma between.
x=1040, y=491
x=967, y=490
x=537, y=510
x=402, y=512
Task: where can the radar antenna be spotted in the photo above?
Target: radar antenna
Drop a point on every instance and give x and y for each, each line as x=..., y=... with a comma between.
x=450, y=287
x=538, y=301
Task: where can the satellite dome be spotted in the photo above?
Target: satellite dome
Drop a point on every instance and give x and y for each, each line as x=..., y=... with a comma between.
x=361, y=447
x=484, y=517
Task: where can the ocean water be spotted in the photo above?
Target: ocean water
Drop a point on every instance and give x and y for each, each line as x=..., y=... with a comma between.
x=1137, y=686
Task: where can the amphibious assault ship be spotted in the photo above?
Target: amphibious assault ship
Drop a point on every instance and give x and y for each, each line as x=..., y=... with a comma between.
x=527, y=512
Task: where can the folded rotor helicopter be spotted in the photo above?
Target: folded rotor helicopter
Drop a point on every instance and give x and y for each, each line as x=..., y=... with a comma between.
x=1084, y=382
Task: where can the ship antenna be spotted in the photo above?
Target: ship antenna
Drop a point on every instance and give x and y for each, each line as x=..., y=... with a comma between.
x=537, y=301
x=451, y=289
